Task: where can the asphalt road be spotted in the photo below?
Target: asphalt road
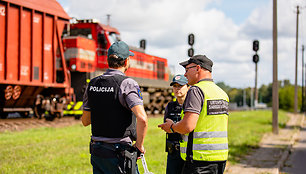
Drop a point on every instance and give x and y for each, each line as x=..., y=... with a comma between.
x=296, y=162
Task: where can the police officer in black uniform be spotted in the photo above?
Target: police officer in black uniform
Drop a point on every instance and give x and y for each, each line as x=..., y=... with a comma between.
x=112, y=104
x=173, y=111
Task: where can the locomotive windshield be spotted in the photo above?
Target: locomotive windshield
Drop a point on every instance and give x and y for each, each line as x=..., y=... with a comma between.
x=81, y=32
x=113, y=37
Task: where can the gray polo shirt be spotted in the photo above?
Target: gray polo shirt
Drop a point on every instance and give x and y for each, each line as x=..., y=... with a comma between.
x=194, y=99
x=129, y=94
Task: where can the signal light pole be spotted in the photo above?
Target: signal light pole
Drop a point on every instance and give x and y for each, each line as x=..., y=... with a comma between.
x=256, y=60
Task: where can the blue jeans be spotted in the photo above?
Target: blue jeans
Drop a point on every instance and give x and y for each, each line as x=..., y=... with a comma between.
x=174, y=163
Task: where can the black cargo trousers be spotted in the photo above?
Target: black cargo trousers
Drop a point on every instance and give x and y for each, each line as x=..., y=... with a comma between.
x=115, y=158
x=204, y=167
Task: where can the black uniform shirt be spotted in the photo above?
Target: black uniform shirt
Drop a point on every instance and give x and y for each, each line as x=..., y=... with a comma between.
x=173, y=111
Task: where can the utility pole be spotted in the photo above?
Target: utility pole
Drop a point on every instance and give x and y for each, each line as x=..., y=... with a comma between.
x=244, y=99
x=251, y=98
x=296, y=61
x=275, y=80
x=108, y=19
x=303, y=92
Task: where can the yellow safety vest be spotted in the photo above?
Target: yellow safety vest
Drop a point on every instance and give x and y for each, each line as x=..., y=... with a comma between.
x=209, y=141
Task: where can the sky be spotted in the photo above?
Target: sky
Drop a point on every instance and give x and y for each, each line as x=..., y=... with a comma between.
x=224, y=31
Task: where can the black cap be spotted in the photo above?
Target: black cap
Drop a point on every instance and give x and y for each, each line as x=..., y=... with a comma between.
x=201, y=60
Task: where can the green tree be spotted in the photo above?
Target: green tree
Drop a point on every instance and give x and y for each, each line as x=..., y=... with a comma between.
x=223, y=86
x=285, y=91
x=286, y=98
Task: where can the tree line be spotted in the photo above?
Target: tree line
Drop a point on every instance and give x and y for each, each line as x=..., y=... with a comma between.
x=285, y=92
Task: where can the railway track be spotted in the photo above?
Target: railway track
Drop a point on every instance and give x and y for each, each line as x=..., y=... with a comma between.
x=19, y=124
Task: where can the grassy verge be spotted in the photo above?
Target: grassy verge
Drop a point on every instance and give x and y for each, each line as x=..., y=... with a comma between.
x=65, y=150
x=246, y=130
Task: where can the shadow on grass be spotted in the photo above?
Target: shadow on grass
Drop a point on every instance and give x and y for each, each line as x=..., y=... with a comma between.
x=255, y=157
x=237, y=152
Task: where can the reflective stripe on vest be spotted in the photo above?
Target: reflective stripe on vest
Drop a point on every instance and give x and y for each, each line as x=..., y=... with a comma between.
x=210, y=142
x=206, y=147
x=220, y=134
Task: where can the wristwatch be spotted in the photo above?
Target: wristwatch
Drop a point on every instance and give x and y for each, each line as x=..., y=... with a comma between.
x=171, y=129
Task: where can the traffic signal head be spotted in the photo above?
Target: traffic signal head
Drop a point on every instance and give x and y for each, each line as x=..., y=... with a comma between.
x=255, y=58
x=190, y=52
x=191, y=39
x=255, y=45
x=143, y=44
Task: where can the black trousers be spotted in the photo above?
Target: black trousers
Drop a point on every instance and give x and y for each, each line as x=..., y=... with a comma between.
x=106, y=160
x=204, y=167
x=174, y=163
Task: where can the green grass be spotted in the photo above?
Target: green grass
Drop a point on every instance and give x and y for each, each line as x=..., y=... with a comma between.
x=65, y=150
x=246, y=130
x=45, y=150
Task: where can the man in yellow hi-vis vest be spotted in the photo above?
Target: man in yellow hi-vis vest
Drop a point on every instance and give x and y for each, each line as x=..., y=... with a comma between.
x=204, y=121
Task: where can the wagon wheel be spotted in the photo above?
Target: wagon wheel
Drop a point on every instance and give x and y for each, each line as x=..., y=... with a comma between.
x=38, y=111
x=50, y=116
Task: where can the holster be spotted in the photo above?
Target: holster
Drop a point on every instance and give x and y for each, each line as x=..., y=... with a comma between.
x=130, y=159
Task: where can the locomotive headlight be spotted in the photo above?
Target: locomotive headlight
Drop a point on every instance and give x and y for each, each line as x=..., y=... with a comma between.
x=73, y=67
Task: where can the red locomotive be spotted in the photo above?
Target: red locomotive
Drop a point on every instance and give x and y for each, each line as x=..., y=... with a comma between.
x=45, y=61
